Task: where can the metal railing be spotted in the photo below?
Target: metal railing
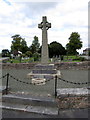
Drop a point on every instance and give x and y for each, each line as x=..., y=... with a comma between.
x=29, y=83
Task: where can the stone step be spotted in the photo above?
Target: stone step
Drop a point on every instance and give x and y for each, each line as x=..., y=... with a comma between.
x=41, y=66
x=30, y=108
x=46, y=76
x=29, y=100
x=43, y=71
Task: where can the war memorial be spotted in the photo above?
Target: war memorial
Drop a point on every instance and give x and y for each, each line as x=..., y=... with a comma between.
x=44, y=70
x=39, y=90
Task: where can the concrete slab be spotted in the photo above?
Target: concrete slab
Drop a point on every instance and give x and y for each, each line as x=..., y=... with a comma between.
x=29, y=100
x=30, y=108
x=73, y=91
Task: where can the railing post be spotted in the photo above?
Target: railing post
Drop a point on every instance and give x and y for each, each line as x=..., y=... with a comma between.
x=55, y=86
x=7, y=83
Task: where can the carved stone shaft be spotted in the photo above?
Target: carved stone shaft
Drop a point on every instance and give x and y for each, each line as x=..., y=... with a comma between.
x=44, y=25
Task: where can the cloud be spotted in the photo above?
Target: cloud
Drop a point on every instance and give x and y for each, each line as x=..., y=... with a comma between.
x=6, y=1
x=66, y=16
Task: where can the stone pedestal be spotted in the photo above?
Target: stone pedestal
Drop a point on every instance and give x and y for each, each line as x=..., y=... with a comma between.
x=44, y=72
x=38, y=81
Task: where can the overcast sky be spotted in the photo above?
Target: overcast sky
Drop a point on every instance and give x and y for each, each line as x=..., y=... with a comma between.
x=65, y=16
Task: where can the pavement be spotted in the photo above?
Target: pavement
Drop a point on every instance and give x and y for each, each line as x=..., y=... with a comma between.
x=17, y=107
x=78, y=113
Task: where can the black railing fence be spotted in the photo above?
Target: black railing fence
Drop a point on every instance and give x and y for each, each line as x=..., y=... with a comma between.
x=56, y=79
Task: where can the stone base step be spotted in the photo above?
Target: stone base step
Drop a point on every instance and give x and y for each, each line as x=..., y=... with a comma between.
x=29, y=108
x=35, y=101
x=46, y=67
x=43, y=71
x=46, y=76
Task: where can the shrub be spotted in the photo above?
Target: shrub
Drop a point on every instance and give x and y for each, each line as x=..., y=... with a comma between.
x=82, y=59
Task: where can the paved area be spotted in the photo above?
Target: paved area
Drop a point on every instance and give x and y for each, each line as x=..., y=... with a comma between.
x=78, y=113
x=62, y=113
x=47, y=89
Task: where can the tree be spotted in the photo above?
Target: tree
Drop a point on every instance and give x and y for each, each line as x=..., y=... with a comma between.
x=56, y=49
x=74, y=43
x=18, y=44
x=35, y=45
x=89, y=53
x=28, y=53
x=5, y=53
x=24, y=47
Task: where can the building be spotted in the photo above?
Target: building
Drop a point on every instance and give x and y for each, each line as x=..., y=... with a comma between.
x=86, y=51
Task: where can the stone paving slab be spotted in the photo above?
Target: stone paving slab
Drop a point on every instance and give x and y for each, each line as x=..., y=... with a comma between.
x=30, y=100
x=30, y=108
x=73, y=91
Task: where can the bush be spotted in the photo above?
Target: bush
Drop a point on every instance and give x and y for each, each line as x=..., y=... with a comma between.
x=81, y=58
x=36, y=56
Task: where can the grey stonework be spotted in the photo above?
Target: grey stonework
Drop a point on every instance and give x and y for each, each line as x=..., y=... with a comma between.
x=44, y=25
x=64, y=65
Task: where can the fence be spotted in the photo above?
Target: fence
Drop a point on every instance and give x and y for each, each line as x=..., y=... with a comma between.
x=55, y=81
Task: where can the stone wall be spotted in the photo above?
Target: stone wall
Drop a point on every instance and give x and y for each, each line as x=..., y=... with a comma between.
x=73, y=65
x=61, y=65
x=17, y=65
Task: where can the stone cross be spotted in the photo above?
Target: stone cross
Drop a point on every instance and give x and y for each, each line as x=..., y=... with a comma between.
x=44, y=25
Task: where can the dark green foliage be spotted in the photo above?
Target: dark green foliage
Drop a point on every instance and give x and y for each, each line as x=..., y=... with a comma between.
x=36, y=56
x=35, y=45
x=89, y=53
x=18, y=44
x=28, y=53
x=5, y=53
x=74, y=44
x=81, y=59
x=56, y=49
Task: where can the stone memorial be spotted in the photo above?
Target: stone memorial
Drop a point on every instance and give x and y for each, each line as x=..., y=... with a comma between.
x=44, y=70
x=44, y=25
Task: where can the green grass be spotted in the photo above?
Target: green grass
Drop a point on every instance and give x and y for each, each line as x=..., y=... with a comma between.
x=22, y=61
x=72, y=58
x=30, y=60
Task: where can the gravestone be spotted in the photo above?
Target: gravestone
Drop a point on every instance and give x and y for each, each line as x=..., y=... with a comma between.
x=43, y=71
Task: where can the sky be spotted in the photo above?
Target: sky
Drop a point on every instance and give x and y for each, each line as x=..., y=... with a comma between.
x=23, y=16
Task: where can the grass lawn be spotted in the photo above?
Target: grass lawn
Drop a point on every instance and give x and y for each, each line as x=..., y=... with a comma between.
x=65, y=59
x=22, y=61
x=73, y=58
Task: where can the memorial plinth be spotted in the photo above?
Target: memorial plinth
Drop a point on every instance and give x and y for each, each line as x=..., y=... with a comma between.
x=38, y=81
x=44, y=71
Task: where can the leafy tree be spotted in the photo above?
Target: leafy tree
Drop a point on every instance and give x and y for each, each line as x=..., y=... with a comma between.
x=28, y=53
x=24, y=47
x=89, y=53
x=18, y=44
x=5, y=53
x=56, y=49
x=74, y=43
x=35, y=45
x=36, y=56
